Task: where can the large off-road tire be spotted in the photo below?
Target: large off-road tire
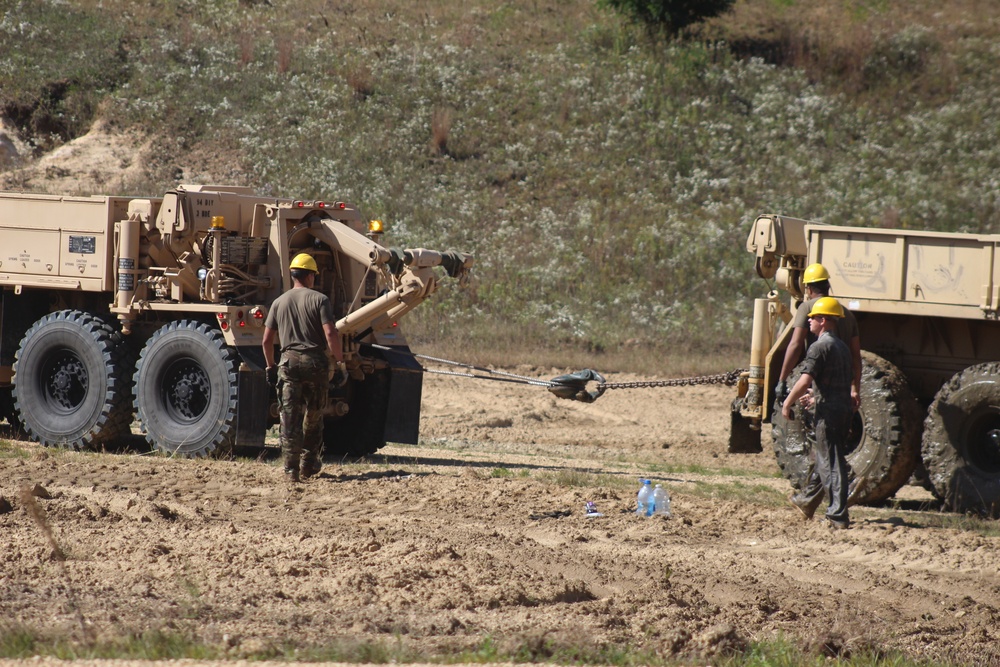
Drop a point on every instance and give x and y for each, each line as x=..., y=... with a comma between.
x=961, y=445
x=72, y=382
x=186, y=385
x=883, y=443
x=361, y=431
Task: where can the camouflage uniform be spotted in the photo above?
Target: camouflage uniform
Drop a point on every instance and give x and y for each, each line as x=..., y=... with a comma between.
x=303, y=385
x=303, y=376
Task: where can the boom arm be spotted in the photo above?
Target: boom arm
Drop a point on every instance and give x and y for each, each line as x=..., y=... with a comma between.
x=409, y=272
x=415, y=281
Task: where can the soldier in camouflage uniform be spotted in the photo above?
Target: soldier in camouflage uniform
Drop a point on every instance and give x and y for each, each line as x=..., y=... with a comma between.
x=303, y=321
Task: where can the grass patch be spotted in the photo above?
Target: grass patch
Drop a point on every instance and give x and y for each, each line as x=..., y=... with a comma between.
x=757, y=494
x=822, y=652
x=12, y=450
x=20, y=643
x=925, y=517
x=697, y=469
x=575, y=479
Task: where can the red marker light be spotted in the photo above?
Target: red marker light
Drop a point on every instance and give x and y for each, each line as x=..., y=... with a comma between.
x=242, y=323
x=239, y=314
x=224, y=325
x=222, y=316
x=320, y=204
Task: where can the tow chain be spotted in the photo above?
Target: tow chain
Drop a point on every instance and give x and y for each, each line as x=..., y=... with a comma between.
x=728, y=379
x=572, y=386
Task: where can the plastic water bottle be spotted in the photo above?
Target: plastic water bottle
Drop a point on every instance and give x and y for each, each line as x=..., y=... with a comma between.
x=644, y=501
x=661, y=501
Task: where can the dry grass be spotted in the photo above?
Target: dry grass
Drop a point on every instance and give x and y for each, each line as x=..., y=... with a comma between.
x=508, y=351
x=839, y=43
x=440, y=130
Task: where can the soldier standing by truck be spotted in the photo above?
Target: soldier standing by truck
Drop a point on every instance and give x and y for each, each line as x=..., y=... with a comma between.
x=303, y=320
x=816, y=281
x=827, y=368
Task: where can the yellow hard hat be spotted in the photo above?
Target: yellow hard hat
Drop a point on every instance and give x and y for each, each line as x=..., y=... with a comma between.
x=815, y=273
x=827, y=306
x=304, y=261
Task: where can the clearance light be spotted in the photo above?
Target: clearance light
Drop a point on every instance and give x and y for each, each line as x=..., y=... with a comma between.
x=341, y=205
x=395, y=324
x=375, y=226
x=320, y=204
x=218, y=222
x=299, y=204
x=223, y=316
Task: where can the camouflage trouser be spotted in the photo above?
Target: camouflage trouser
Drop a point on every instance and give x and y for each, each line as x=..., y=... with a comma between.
x=303, y=383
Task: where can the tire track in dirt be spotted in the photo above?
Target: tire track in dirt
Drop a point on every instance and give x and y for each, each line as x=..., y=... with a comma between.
x=435, y=545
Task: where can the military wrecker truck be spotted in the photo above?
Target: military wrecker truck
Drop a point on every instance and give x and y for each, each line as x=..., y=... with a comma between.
x=117, y=309
x=927, y=307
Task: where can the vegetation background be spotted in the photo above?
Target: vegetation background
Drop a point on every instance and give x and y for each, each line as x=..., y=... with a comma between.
x=604, y=178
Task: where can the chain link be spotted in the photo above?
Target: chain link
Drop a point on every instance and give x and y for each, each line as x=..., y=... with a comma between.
x=728, y=379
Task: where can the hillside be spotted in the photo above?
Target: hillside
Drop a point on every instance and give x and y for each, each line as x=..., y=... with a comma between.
x=604, y=181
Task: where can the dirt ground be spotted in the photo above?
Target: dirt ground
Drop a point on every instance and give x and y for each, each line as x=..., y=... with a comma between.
x=441, y=545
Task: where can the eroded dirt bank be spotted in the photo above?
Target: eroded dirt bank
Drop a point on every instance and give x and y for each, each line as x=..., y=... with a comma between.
x=442, y=545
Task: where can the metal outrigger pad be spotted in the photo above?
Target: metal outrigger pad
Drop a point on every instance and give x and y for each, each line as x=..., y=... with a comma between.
x=573, y=386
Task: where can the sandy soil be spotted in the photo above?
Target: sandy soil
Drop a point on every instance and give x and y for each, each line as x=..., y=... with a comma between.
x=441, y=545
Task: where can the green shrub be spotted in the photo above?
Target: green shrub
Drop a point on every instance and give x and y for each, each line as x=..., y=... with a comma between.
x=670, y=16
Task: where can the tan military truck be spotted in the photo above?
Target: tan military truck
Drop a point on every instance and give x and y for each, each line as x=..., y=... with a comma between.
x=927, y=306
x=152, y=308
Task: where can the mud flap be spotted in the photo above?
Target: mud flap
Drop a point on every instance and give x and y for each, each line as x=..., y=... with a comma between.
x=405, y=389
x=742, y=438
x=251, y=408
x=253, y=397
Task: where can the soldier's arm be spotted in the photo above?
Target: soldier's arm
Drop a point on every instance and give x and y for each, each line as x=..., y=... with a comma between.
x=267, y=342
x=793, y=353
x=333, y=341
x=801, y=387
x=855, y=346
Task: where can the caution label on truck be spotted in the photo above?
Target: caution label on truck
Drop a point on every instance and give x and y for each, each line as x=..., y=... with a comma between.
x=84, y=245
